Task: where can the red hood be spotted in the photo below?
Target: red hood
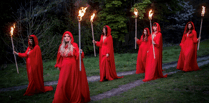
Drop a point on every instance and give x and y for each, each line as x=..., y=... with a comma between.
x=148, y=32
x=35, y=39
x=187, y=26
x=108, y=30
x=71, y=36
x=158, y=27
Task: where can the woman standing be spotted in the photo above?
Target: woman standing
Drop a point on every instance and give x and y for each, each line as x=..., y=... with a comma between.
x=34, y=67
x=188, y=55
x=68, y=87
x=106, y=55
x=142, y=52
x=154, y=65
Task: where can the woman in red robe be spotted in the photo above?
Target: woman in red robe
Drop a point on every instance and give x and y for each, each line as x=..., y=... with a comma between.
x=142, y=52
x=34, y=67
x=154, y=65
x=106, y=55
x=188, y=55
x=70, y=88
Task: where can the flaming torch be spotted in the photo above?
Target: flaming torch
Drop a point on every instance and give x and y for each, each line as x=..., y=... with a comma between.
x=11, y=32
x=136, y=14
x=92, y=29
x=150, y=18
x=202, y=15
x=81, y=13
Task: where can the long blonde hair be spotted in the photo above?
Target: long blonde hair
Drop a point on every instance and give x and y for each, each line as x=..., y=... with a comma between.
x=69, y=48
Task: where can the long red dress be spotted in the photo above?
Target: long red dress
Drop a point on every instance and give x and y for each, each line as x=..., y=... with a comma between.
x=72, y=85
x=188, y=55
x=142, y=53
x=154, y=66
x=107, y=64
x=34, y=67
x=84, y=83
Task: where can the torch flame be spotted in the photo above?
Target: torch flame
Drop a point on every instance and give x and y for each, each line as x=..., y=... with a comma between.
x=92, y=17
x=135, y=12
x=13, y=25
x=203, y=10
x=11, y=32
x=150, y=14
x=81, y=12
x=12, y=29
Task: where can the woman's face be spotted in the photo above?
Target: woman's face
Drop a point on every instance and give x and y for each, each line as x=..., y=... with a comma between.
x=104, y=31
x=67, y=38
x=145, y=32
x=189, y=26
x=155, y=28
x=31, y=41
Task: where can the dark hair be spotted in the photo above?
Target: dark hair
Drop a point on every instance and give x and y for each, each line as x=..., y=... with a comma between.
x=105, y=30
x=145, y=37
x=33, y=44
x=154, y=24
x=187, y=29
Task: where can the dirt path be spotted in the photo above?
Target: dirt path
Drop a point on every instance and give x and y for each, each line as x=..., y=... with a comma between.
x=96, y=78
x=126, y=87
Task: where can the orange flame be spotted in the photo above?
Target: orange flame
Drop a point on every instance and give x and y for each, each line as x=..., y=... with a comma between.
x=92, y=17
x=135, y=12
x=150, y=14
x=11, y=32
x=81, y=12
x=203, y=10
x=12, y=29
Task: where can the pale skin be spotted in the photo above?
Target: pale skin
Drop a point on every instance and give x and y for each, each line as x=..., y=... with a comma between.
x=104, y=37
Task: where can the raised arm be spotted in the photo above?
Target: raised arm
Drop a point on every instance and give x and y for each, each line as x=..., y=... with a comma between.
x=99, y=43
x=24, y=55
x=195, y=36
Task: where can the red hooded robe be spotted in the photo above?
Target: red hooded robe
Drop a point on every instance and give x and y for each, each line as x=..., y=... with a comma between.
x=188, y=55
x=107, y=64
x=69, y=84
x=154, y=66
x=142, y=52
x=34, y=67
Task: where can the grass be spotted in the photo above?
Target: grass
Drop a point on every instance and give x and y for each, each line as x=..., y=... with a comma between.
x=124, y=62
x=180, y=87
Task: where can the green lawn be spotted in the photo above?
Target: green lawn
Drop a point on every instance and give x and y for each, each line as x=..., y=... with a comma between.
x=179, y=87
x=124, y=62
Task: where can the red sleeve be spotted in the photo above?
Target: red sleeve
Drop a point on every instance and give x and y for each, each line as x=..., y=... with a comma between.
x=59, y=60
x=139, y=40
x=99, y=43
x=23, y=55
x=194, y=36
x=182, y=40
x=157, y=40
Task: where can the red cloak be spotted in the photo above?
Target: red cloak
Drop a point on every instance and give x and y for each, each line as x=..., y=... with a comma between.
x=107, y=64
x=72, y=84
x=142, y=53
x=188, y=55
x=34, y=67
x=154, y=66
